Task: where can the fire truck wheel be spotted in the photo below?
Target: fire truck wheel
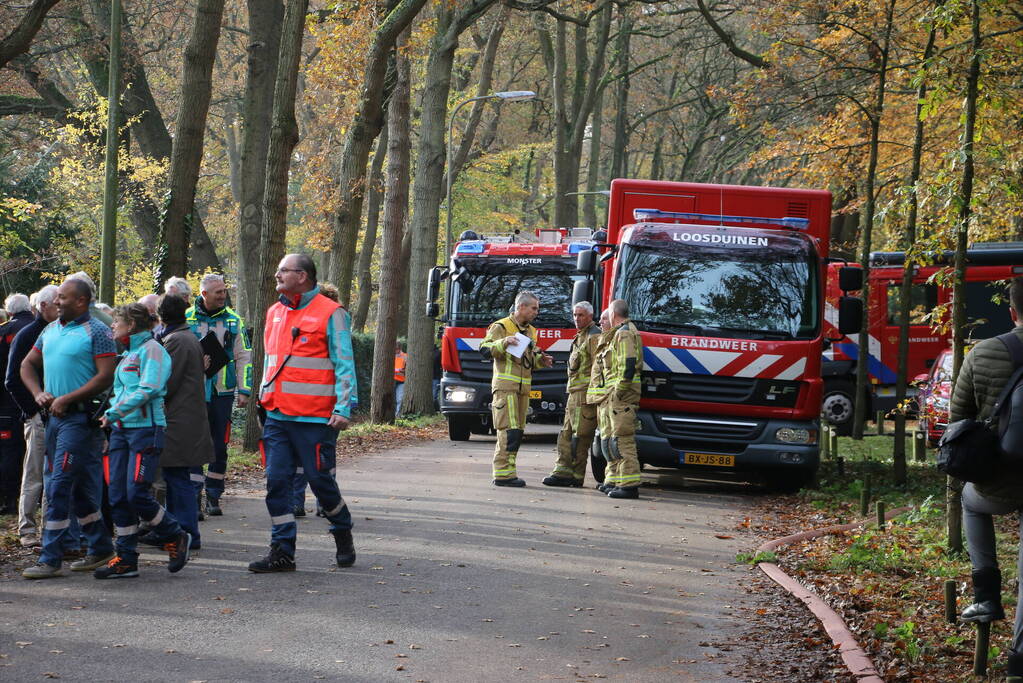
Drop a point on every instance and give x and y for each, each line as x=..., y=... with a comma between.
x=597, y=464
x=458, y=428
x=838, y=405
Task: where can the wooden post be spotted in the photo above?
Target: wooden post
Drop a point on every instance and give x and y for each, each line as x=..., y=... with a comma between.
x=980, y=648
x=879, y=418
x=950, y=601
x=841, y=466
x=865, y=498
x=919, y=446
x=833, y=446
x=879, y=506
x=825, y=441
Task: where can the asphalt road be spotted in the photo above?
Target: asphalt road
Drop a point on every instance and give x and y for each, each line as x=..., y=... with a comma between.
x=456, y=580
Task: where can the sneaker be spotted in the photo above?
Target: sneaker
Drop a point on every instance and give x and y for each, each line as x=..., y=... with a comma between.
x=41, y=570
x=30, y=541
x=90, y=562
x=345, y=555
x=299, y=511
x=117, y=569
x=213, y=507
x=515, y=481
x=619, y=492
x=275, y=561
x=177, y=551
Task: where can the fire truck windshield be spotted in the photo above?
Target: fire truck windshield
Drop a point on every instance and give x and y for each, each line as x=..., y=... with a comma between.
x=483, y=290
x=702, y=288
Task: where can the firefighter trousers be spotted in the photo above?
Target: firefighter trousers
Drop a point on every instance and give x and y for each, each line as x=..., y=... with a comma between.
x=575, y=438
x=623, y=471
x=509, y=413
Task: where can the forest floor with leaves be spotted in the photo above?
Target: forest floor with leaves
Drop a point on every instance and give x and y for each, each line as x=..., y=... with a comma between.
x=887, y=584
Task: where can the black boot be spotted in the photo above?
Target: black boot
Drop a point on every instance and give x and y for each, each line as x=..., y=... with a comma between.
x=345, y=548
x=275, y=561
x=987, y=597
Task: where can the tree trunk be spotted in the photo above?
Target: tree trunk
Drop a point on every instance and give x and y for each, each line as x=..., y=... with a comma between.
x=283, y=138
x=20, y=38
x=376, y=190
x=186, y=157
x=264, y=45
x=593, y=175
x=427, y=191
x=954, y=496
x=359, y=136
x=392, y=272
x=899, y=468
x=862, y=386
x=619, y=161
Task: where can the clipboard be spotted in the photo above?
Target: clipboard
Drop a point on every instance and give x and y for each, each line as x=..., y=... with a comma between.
x=212, y=347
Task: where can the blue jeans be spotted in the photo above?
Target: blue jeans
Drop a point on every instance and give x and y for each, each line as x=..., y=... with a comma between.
x=181, y=501
x=218, y=411
x=310, y=445
x=134, y=457
x=399, y=394
x=73, y=460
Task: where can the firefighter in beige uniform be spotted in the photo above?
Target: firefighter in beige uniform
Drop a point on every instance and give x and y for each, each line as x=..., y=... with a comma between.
x=512, y=377
x=623, y=358
x=580, y=417
x=596, y=393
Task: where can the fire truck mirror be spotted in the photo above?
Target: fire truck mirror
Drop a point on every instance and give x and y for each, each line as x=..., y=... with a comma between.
x=850, y=279
x=586, y=262
x=437, y=273
x=582, y=290
x=850, y=314
x=432, y=309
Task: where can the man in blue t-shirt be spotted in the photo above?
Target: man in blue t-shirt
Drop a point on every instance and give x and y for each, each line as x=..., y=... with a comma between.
x=77, y=356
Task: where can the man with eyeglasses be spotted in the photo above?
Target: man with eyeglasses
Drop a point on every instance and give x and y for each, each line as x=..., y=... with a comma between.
x=307, y=390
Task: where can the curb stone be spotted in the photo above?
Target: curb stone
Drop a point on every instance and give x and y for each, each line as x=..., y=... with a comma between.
x=854, y=657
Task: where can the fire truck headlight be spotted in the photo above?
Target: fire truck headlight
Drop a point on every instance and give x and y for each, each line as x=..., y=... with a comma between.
x=457, y=394
x=795, y=435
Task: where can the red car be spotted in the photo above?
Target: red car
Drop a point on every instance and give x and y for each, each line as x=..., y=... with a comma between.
x=933, y=395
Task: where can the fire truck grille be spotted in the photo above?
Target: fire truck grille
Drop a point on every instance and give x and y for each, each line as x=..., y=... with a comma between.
x=714, y=389
x=696, y=433
x=475, y=369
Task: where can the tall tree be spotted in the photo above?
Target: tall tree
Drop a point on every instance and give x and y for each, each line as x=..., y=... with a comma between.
x=257, y=109
x=359, y=136
x=392, y=270
x=18, y=40
x=283, y=138
x=186, y=157
x=365, y=270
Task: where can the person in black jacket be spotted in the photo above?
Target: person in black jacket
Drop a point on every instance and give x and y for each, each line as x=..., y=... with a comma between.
x=44, y=302
x=12, y=436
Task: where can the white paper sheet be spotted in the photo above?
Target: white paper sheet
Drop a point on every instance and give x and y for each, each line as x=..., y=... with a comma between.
x=520, y=347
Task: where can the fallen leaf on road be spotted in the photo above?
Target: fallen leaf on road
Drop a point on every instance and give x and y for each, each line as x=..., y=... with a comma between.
x=415, y=647
x=50, y=674
x=56, y=652
x=622, y=659
x=588, y=630
x=401, y=655
x=399, y=668
x=723, y=536
x=170, y=652
x=388, y=642
x=23, y=643
x=227, y=610
x=514, y=645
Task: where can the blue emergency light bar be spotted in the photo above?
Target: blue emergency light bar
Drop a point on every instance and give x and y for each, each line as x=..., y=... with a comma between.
x=470, y=248
x=577, y=247
x=656, y=215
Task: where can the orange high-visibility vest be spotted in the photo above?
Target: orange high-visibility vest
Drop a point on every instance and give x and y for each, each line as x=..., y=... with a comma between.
x=399, y=366
x=305, y=385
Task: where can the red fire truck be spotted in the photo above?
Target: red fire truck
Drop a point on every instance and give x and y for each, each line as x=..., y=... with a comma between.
x=484, y=275
x=989, y=267
x=726, y=284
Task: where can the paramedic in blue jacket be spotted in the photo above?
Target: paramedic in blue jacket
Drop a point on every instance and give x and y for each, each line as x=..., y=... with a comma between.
x=210, y=312
x=137, y=422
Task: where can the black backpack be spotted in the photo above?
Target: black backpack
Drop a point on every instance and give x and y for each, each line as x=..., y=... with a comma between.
x=1009, y=412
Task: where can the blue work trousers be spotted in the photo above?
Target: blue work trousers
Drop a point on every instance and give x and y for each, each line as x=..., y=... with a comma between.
x=74, y=451
x=134, y=456
x=287, y=446
x=218, y=411
x=181, y=500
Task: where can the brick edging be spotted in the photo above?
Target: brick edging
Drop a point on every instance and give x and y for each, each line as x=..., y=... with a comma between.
x=854, y=657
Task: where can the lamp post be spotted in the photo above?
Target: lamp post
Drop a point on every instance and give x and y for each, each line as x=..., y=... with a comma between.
x=507, y=96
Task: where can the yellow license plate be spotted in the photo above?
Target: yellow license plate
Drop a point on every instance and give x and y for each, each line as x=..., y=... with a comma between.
x=535, y=394
x=709, y=459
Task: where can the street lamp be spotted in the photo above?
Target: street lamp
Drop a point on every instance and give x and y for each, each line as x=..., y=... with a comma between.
x=506, y=96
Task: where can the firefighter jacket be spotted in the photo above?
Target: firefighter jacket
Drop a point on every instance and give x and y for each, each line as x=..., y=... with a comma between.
x=230, y=331
x=580, y=359
x=597, y=390
x=309, y=369
x=510, y=373
x=624, y=354
x=140, y=383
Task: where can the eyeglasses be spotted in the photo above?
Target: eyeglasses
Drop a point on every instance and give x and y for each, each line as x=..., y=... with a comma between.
x=290, y=270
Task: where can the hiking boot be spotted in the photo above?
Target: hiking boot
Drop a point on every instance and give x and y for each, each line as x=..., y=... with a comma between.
x=117, y=569
x=90, y=562
x=177, y=551
x=516, y=482
x=555, y=480
x=345, y=548
x=275, y=561
x=619, y=492
x=41, y=570
x=987, y=597
x=213, y=507
x=603, y=487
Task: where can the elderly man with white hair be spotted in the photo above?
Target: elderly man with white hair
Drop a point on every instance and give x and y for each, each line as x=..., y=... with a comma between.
x=12, y=442
x=44, y=304
x=178, y=286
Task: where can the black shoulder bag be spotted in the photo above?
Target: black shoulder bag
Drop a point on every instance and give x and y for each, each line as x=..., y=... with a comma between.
x=971, y=449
